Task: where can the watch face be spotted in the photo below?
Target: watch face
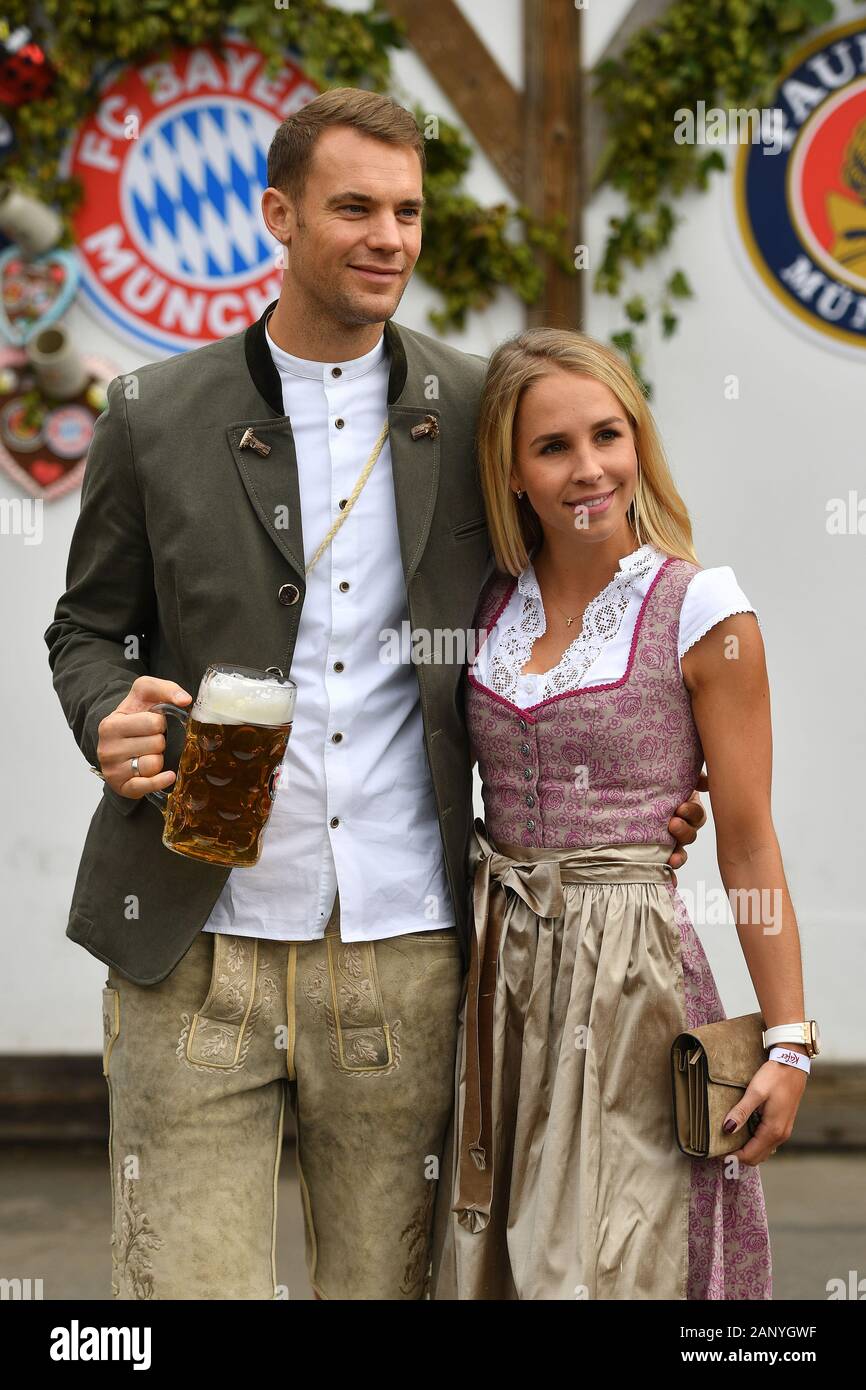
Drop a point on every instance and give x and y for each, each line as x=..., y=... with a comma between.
x=815, y=1036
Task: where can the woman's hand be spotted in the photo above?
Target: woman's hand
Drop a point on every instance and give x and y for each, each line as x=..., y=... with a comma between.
x=775, y=1091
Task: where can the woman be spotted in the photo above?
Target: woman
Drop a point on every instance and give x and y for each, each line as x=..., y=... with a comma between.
x=611, y=666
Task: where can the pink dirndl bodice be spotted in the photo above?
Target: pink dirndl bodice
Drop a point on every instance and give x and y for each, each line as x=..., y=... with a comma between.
x=607, y=765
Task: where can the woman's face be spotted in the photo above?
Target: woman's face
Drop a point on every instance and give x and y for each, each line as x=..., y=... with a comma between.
x=573, y=445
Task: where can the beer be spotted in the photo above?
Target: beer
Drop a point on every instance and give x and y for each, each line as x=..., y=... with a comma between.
x=236, y=736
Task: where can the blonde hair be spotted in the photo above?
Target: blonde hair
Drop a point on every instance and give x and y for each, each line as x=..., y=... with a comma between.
x=291, y=150
x=657, y=514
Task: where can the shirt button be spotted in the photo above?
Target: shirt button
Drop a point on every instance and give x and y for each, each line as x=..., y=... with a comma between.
x=338, y=666
x=530, y=800
x=342, y=502
x=339, y=422
x=334, y=822
x=530, y=824
x=336, y=738
x=336, y=371
x=289, y=593
x=344, y=585
x=524, y=748
x=527, y=772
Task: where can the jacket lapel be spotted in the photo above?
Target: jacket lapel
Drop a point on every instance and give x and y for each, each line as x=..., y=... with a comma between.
x=271, y=480
x=415, y=468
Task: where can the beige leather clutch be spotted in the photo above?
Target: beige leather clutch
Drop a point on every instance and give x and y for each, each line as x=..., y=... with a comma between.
x=711, y=1067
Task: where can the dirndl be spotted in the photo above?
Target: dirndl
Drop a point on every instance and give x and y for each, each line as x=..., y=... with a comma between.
x=562, y=1164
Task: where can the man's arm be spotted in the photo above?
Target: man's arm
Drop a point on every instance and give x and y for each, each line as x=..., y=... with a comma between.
x=109, y=603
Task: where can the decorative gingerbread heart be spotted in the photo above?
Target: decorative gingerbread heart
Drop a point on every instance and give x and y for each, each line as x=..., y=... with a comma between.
x=46, y=470
x=34, y=293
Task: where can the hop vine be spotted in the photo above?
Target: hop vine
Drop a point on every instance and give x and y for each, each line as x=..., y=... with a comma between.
x=724, y=52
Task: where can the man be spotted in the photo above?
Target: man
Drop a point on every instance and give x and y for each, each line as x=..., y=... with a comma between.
x=210, y=482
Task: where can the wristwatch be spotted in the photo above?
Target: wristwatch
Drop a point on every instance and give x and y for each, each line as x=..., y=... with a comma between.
x=806, y=1033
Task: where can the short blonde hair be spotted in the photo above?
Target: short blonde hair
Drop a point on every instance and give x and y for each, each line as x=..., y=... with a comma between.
x=516, y=364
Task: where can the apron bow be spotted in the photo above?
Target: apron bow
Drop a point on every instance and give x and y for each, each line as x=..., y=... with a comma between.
x=538, y=883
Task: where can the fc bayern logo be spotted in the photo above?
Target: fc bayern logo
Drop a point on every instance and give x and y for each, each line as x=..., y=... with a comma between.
x=172, y=246
x=802, y=211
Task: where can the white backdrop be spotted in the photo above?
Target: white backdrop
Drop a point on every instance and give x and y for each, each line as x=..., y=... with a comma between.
x=756, y=474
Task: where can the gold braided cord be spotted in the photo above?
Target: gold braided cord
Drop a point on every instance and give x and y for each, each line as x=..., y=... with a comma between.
x=353, y=497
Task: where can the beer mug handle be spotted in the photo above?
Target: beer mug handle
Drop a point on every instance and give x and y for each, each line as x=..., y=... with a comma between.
x=161, y=798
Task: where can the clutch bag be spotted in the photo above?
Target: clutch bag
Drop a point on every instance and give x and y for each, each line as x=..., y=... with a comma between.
x=711, y=1067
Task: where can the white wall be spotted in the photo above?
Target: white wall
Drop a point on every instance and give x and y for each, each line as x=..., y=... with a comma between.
x=756, y=474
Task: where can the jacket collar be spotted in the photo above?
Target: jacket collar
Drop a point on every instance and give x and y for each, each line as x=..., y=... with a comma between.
x=266, y=378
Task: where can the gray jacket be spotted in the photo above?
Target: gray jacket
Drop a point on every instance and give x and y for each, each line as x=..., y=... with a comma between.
x=176, y=544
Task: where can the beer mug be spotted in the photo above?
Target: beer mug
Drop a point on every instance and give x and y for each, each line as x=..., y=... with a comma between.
x=236, y=736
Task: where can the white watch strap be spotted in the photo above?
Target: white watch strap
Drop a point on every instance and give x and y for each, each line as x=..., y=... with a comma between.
x=790, y=1058
x=786, y=1032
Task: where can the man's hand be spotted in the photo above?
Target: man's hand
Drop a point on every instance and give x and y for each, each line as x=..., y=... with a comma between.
x=134, y=730
x=685, y=824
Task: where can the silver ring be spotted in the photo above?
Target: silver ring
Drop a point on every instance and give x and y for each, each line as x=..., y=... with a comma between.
x=135, y=771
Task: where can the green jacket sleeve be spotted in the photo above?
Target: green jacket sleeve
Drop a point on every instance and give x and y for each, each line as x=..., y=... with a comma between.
x=109, y=596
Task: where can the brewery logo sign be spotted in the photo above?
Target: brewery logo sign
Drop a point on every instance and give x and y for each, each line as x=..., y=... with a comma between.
x=169, y=234
x=801, y=212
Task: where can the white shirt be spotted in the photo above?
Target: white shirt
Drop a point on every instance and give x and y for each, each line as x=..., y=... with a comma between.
x=386, y=852
x=600, y=650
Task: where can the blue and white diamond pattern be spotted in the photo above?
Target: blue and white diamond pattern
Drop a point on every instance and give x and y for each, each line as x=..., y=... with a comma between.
x=192, y=189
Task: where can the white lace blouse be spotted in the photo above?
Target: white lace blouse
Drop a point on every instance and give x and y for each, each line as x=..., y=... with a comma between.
x=600, y=650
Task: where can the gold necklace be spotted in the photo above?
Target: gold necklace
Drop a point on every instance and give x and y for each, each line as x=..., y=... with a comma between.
x=570, y=620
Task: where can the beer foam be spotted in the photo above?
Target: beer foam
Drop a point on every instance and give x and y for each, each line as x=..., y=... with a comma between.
x=231, y=698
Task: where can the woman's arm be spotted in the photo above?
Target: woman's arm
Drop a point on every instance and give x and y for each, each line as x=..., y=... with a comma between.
x=726, y=676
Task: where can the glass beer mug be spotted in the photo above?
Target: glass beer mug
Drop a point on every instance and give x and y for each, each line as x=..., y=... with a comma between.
x=236, y=735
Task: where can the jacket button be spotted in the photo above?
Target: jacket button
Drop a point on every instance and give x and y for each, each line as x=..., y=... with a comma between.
x=527, y=772
x=523, y=726
x=339, y=666
x=336, y=371
x=289, y=593
x=334, y=822
x=530, y=800
x=342, y=503
x=336, y=738
x=530, y=824
x=525, y=749
x=344, y=585
x=339, y=422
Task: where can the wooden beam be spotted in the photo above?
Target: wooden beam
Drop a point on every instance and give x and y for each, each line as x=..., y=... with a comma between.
x=63, y=1099
x=471, y=78
x=554, y=146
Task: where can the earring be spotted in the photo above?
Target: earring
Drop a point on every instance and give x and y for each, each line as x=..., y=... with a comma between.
x=520, y=492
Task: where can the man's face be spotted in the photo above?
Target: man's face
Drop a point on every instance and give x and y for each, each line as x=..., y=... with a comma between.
x=353, y=241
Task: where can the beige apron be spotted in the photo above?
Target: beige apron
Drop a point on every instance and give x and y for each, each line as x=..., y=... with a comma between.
x=565, y=1175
